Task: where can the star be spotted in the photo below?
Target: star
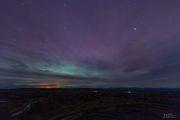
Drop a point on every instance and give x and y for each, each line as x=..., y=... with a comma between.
x=40, y=43
x=65, y=28
x=134, y=28
x=22, y=4
x=14, y=40
x=65, y=5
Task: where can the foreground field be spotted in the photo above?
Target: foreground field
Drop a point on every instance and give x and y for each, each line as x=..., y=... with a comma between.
x=39, y=104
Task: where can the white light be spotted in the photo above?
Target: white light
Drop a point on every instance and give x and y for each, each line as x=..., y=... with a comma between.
x=135, y=28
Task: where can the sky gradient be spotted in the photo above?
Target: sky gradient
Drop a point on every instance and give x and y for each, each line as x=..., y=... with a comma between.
x=89, y=43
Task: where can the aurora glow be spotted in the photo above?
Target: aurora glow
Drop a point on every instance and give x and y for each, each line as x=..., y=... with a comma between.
x=89, y=43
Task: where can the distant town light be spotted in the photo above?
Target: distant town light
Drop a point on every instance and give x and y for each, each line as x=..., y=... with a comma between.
x=95, y=91
x=129, y=92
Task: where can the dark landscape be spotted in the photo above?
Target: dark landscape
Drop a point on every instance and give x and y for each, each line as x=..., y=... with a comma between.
x=90, y=104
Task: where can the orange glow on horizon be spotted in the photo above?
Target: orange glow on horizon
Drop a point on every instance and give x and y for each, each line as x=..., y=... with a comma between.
x=50, y=85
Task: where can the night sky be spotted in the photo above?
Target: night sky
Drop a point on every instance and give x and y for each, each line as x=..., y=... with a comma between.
x=89, y=43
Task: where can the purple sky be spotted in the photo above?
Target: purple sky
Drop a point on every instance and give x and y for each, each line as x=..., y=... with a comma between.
x=89, y=43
